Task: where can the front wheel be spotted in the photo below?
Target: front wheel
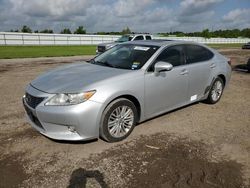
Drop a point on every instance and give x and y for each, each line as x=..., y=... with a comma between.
x=215, y=91
x=118, y=121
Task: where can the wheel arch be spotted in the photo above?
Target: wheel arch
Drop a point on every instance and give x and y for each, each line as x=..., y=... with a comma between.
x=223, y=78
x=131, y=98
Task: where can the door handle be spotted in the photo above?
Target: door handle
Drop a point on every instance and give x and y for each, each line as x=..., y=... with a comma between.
x=183, y=72
x=212, y=65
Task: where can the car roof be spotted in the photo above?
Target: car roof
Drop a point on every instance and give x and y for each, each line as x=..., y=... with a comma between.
x=160, y=42
x=136, y=34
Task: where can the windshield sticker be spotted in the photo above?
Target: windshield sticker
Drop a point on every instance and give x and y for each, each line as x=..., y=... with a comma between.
x=141, y=48
x=135, y=65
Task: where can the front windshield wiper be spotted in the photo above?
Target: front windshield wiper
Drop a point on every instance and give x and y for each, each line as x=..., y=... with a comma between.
x=103, y=63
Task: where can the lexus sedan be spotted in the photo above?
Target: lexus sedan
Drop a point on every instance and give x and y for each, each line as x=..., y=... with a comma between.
x=122, y=87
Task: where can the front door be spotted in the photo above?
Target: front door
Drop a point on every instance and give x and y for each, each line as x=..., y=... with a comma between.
x=166, y=90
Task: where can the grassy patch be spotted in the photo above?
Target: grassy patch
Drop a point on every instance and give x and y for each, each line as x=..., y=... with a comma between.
x=217, y=46
x=9, y=52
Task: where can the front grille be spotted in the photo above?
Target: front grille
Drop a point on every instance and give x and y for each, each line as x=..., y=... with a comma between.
x=101, y=48
x=33, y=118
x=33, y=101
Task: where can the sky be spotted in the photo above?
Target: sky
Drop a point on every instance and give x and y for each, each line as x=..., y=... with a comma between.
x=152, y=16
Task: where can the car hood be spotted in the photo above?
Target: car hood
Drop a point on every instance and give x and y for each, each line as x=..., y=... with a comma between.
x=73, y=78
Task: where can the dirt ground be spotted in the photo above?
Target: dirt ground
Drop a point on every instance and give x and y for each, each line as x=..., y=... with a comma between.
x=196, y=146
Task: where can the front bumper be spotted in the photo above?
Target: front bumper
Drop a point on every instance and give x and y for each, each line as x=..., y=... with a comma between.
x=74, y=122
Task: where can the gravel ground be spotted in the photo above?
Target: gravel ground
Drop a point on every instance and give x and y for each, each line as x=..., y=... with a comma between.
x=196, y=146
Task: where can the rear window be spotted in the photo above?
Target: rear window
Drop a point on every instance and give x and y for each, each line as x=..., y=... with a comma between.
x=148, y=37
x=196, y=53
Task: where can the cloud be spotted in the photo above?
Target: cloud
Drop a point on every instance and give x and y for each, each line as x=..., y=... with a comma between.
x=110, y=15
x=192, y=7
x=55, y=8
x=237, y=14
x=130, y=7
x=197, y=18
x=4, y=6
x=237, y=18
x=196, y=15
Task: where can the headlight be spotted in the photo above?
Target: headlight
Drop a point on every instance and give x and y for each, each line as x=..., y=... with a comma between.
x=69, y=99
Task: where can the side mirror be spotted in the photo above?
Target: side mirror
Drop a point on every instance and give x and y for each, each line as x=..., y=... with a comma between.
x=161, y=66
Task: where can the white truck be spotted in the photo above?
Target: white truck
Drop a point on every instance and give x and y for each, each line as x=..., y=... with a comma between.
x=125, y=38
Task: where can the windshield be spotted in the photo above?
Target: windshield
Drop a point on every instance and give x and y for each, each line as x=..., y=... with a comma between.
x=124, y=38
x=126, y=56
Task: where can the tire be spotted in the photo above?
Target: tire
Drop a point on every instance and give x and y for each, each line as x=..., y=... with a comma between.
x=118, y=120
x=216, y=91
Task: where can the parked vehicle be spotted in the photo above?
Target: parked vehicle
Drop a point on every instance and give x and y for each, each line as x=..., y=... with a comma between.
x=246, y=46
x=243, y=67
x=125, y=38
x=126, y=85
x=248, y=65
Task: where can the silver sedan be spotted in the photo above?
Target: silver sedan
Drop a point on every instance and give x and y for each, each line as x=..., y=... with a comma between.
x=126, y=85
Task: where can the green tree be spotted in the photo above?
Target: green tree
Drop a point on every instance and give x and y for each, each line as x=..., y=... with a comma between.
x=47, y=31
x=66, y=31
x=126, y=31
x=101, y=33
x=26, y=29
x=245, y=32
x=80, y=30
x=206, y=34
x=12, y=30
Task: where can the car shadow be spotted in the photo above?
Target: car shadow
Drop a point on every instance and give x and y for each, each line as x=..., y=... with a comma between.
x=78, y=178
x=73, y=142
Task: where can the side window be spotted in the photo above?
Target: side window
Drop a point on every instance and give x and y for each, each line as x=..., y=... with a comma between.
x=140, y=37
x=148, y=37
x=173, y=55
x=195, y=54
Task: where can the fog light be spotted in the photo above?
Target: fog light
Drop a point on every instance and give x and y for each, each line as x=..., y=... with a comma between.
x=72, y=129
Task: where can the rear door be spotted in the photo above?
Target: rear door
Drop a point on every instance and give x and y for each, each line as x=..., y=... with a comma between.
x=199, y=67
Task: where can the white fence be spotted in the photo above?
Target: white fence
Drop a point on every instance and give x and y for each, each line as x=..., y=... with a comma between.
x=8, y=38
x=210, y=40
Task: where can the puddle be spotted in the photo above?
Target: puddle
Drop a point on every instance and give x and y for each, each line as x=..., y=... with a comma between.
x=12, y=173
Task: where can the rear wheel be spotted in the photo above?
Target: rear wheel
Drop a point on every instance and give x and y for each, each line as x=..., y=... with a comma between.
x=118, y=121
x=215, y=91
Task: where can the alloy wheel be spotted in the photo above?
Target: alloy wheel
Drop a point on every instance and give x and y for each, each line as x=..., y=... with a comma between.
x=120, y=121
x=217, y=90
